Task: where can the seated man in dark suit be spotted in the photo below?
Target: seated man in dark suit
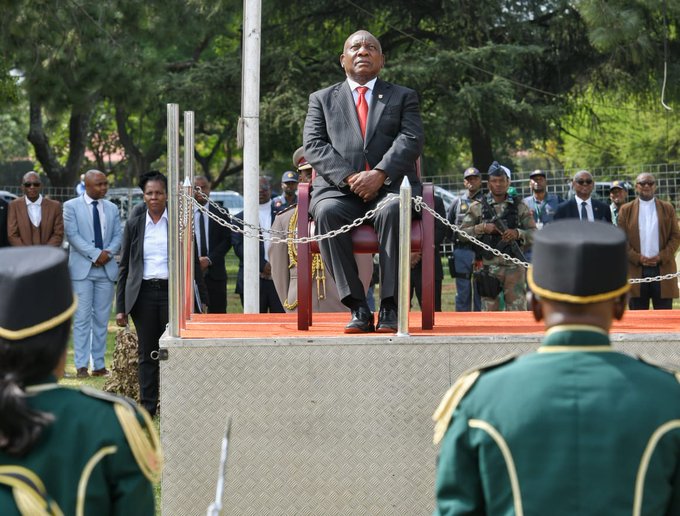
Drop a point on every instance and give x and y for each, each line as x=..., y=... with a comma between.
x=362, y=136
x=583, y=206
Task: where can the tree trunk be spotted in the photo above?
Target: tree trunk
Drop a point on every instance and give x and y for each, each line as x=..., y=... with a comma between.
x=41, y=145
x=58, y=174
x=480, y=145
x=136, y=161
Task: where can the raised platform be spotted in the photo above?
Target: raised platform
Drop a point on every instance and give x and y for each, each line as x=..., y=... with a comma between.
x=327, y=423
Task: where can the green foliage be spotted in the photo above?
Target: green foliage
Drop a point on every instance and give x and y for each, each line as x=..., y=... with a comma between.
x=493, y=77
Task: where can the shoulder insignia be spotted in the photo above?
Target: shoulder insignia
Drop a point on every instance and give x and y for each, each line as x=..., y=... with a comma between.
x=29, y=492
x=143, y=439
x=671, y=369
x=444, y=413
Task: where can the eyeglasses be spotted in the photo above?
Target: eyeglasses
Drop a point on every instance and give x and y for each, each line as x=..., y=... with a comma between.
x=28, y=185
x=646, y=183
x=583, y=182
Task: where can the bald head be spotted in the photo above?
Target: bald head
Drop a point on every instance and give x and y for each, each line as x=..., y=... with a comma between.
x=362, y=57
x=96, y=184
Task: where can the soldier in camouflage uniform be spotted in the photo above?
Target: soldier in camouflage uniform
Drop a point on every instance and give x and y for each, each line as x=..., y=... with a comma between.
x=498, y=275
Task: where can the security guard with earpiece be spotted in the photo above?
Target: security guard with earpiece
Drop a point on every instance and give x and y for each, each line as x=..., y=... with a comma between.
x=574, y=428
x=62, y=451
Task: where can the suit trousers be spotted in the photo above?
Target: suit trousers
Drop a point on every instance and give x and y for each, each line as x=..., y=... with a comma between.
x=650, y=292
x=269, y=299
x=217, y=294
x=150, y=315
x=91, y=320
x=334, y=212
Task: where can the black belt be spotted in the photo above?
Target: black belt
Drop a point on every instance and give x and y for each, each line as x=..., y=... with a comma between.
x=155, y=283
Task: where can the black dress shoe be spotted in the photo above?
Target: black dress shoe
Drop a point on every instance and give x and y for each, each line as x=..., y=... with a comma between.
x=387, y=320
x=362, y=321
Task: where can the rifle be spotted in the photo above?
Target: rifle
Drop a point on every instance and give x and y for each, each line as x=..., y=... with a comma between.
x=502, y=227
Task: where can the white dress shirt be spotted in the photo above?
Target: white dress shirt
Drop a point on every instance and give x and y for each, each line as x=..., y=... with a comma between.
x=589, y=207
x=100, y=209
x=369, y=92
x=35, y=210
x=156, y=248
x=265, y=214
x=648, y=223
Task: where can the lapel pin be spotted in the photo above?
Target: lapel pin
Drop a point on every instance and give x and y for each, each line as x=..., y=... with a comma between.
x=380, y=96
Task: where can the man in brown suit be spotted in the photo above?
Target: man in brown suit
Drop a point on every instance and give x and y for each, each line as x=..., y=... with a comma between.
x=653, y=238
x=33, y=219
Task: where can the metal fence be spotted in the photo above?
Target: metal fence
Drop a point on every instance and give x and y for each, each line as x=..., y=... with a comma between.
x=558, y=180
x=667, y=179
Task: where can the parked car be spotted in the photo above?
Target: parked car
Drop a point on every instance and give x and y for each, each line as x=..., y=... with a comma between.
x=126, y=199
x=228, y=199
x=446, y=196
x=7, y=196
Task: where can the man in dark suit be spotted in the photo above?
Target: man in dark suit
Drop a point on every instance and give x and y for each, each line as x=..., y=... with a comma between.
x=33, y=219
x=269, y=299
x=213, y=241
x=362, y=136
x=583, y=206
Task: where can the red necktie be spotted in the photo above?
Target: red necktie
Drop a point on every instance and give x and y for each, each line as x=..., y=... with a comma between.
x=362, y=109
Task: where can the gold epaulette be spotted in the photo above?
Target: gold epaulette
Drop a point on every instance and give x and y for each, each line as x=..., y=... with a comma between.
x=671, y=369
x=444, y=413
x=29, y=492
x=143, y=439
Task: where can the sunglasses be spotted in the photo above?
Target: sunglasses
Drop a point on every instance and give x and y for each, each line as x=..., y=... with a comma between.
x=584, y=182
x=646, y=183
x=28, y=185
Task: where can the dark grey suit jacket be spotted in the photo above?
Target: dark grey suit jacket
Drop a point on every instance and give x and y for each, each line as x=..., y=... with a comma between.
x=570, y=210
x=335, y=148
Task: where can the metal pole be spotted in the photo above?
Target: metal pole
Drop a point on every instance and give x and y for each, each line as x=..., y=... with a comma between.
x=251, y=151
x=404, y=256
x=188, y=234
x=174, y=302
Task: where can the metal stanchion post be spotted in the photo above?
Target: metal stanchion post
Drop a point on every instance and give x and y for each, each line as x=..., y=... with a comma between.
x=174, y=301
x=187, y=265
x=404, y=256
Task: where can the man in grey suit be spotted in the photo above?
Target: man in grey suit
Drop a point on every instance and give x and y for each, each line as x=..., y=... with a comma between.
x=362, y=136
x=93, y=229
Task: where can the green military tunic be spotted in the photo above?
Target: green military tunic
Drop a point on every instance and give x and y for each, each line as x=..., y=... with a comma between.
x=94, y=459
x=573, y=429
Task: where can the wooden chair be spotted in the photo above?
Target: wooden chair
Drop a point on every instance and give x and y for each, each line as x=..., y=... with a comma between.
x=365, y=240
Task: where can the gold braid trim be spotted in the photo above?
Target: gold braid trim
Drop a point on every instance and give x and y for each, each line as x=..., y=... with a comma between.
x=29, y=492
x=145, y=445
x=442, y=416
x=145, y=448
x=318, y=269
x=41, y=327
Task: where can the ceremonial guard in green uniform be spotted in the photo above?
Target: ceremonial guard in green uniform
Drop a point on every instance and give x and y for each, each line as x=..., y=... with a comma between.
x=62, y=451
x=575, y=428
x=504, y=223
